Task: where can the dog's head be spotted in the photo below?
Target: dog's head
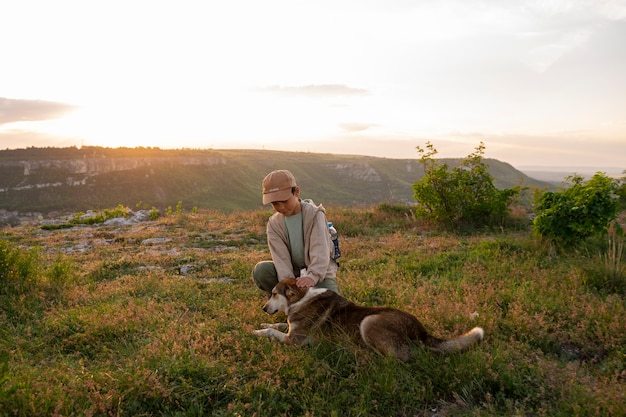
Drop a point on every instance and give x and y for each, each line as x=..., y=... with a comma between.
x=284, y=294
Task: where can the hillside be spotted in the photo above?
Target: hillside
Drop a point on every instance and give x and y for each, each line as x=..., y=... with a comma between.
x=71, y=179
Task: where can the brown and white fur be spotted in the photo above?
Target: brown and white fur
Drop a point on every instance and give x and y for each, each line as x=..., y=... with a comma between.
x=386, y=330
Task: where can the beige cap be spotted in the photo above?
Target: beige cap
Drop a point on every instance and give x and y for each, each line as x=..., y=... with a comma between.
x=277, y=186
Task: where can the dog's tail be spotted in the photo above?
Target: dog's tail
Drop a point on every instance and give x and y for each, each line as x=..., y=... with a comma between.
x=458, y=343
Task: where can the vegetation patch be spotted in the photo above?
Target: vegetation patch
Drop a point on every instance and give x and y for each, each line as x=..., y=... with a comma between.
x=119, y=329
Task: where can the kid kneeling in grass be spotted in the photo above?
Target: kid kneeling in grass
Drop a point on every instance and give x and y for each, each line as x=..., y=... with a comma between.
x=298, y=238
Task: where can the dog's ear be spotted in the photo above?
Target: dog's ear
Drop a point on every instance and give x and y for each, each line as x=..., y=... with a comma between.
x=289, y=288
x=292, y=292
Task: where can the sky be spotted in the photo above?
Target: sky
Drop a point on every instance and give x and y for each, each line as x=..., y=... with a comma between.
x=540, y=82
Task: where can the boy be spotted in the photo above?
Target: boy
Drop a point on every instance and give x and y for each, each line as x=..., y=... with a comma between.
x=298, y=238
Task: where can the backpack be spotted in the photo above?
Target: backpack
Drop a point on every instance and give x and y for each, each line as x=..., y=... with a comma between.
x=333, y=234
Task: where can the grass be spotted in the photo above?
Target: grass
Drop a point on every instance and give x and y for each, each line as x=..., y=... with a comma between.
x=98, y=320
x=607, y=271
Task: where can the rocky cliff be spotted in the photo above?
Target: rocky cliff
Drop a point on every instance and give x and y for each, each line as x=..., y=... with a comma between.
x=44, y=180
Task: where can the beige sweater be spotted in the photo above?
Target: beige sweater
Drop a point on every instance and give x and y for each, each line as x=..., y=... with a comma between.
x=318, y=247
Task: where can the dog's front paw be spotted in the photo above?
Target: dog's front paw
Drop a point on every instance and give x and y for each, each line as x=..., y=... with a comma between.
x=273, y=333
x=261, y=332
x=278, y=326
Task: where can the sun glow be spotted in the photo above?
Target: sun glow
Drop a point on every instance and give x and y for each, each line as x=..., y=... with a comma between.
x=535, y=80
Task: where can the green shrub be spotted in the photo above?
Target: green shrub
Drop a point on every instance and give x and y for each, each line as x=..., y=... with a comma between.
x=621, y=191
x=586, y=208
x=462, y=196
x=178, y=211
x=154, y=213
x=99, y=217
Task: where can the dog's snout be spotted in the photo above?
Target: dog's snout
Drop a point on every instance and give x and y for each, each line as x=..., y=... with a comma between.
x=269, y=309
x=273, y=305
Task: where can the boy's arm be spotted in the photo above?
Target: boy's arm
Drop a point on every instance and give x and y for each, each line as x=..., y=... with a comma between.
x=319, y=248
x=277, y=242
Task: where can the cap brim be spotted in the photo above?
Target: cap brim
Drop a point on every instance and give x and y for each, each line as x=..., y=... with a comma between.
x=280, y=195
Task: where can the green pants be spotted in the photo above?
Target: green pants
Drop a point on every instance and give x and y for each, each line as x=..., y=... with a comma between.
x=265, y=277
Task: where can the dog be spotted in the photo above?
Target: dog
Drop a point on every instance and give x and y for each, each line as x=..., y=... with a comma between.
x=386, y=330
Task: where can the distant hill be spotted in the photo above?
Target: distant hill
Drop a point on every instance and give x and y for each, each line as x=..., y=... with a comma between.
x=72, y=179
x=557, y=175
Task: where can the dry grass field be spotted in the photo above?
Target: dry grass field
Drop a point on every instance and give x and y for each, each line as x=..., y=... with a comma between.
x=155, y=319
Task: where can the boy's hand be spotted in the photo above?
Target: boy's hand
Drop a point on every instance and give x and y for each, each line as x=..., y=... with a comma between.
x=303, y=282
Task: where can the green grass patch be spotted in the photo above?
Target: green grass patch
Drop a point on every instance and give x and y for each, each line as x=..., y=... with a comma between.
x=118, y=329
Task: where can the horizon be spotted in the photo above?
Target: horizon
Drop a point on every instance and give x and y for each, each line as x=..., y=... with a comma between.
x=540, y=84
x=585, y=170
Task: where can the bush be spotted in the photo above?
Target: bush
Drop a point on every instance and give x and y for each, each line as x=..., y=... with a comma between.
x=584, y=209
x=99, y=217
x=621, y=191
x=462, y=196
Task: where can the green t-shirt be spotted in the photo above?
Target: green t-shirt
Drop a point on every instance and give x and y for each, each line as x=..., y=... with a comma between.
x=296, y=239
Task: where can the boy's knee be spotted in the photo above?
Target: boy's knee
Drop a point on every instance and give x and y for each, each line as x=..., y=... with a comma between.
x=330, y=284
x=264, y=275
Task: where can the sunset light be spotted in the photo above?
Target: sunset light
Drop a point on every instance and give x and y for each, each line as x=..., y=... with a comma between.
x=541, y=83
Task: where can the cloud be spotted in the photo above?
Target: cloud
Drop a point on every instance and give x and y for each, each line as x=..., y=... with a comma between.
x=316, y=90
x=554, y=36
x=541, y=58
x=356, y=127
x=558, y=28
x=613, y=9
x=18, y=110
x=585, y=9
